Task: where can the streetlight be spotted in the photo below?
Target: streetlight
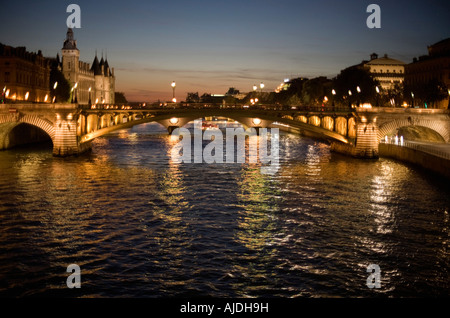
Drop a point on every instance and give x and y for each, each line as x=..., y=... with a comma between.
x=333, y=92
x=54, y=92
x=261, y=86
x=378, y=92
x=448, y=107
x=90, y=95
x=349, y=101
x=3, y=95
x=74, y=95
x=359, y=97
x=173, y=91
x=412, y=95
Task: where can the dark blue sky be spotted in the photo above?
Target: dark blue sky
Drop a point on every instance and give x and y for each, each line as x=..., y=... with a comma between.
x=208, y=46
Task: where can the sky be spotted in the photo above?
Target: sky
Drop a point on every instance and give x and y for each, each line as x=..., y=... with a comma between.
x=209, y=46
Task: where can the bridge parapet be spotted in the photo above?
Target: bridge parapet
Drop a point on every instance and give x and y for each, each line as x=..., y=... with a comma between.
x=72, y=127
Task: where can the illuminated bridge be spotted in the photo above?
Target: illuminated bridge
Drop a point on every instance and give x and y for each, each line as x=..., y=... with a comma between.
x=72, y=127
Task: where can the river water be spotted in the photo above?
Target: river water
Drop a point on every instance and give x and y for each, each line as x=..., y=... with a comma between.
x=140, y=225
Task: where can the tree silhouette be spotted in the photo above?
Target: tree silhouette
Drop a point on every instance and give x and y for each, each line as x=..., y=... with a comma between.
x=352, y=78
x=62, y=91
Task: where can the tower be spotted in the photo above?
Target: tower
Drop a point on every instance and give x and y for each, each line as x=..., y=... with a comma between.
x=70, y=58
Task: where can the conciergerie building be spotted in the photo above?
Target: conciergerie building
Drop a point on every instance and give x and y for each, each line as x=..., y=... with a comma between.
x=25, y=76
x=92, y=84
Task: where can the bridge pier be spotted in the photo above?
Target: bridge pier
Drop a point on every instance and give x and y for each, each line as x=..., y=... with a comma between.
x=66, y=142
x=366, y=140
x=170, y=129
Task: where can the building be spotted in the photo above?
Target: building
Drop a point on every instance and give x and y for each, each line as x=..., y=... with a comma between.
x=91, y=84
x=387, y=71
x=431, y=70
x=24, y=76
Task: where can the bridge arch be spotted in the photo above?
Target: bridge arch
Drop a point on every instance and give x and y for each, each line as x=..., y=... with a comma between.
x=36, y=121
x=312, y=127
x=16, y=131
x=328, y=123
x=392, y=126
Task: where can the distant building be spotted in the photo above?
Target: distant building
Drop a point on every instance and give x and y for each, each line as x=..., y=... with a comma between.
x=434, y=67
x=387, y=71
x=24, y=76
x=94, y=84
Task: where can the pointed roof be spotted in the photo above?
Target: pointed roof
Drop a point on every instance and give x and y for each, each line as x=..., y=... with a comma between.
x=70, y=43
x=96, y=67
x=106, y=68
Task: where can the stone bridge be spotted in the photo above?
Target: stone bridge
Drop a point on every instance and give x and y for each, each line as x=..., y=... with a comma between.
x=72, y=127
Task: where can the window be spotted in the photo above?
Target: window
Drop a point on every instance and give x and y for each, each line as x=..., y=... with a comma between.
x=6, y=77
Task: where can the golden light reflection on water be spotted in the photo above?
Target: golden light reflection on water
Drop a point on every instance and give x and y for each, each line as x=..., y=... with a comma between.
x=128, y=212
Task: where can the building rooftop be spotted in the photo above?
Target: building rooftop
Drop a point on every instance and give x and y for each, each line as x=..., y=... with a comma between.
x=385, y=60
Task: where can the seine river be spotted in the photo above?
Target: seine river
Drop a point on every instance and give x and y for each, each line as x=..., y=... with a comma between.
x=140, y=225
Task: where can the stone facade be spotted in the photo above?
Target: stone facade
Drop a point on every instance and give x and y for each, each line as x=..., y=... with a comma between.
x=24, y=76
x=91, y=84
x=386, y=70
x=434, y=67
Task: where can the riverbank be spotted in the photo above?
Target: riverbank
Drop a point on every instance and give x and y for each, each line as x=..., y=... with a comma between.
x=425, y=160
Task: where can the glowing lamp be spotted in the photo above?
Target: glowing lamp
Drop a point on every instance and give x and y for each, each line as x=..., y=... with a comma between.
x=256, y=121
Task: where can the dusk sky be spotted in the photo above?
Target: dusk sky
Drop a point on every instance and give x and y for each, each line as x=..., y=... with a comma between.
x=209, y=46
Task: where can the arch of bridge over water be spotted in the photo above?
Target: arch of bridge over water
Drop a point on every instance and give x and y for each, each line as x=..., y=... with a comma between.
x=357, y=132
x=338, y=127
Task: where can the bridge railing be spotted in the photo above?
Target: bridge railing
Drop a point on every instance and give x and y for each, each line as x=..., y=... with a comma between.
x=214, y=106
x=419, y=147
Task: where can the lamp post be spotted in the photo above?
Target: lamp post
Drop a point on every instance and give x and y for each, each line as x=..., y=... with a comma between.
x=412, y=104
x=378, y=92
x=448, y=107
x=173, y=91
x=74, y=94
x=358, y=89
x=90, y=95
x=349, y=99
x=333, y=92
x=261, y=86
x=54, y=92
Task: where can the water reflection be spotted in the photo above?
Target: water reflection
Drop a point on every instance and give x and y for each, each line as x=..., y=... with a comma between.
x=143, y=226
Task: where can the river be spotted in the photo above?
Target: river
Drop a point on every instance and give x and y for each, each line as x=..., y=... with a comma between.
x=140, y=225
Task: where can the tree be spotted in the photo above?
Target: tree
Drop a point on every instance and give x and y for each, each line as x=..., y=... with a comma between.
x=349, y=80
x=192, y=98
x=314, y=91
x=426, y=94
x=395, y=94
x=435, y=91
x=62, y=91
x=120, y=98
x=232, y=91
